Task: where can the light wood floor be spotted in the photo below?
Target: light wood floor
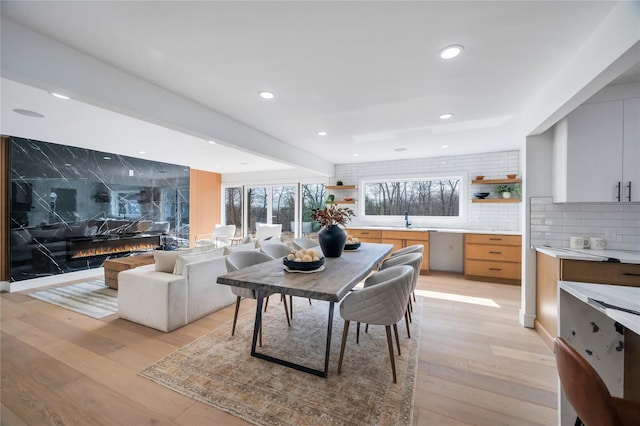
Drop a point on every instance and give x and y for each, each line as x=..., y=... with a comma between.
x=477, y=365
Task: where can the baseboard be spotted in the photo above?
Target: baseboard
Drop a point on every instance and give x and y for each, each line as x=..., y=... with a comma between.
x=548, y=338
x=527, y=320
x=54, y=279
x=5, y=286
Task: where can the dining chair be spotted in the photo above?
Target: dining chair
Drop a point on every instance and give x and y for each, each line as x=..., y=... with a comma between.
x=305, y=243
x=382, y=301
x=265, y=231
x=415, y=248
x=408, y=258
x=588, y=394
x=220, y=236
x=239, y=260
x=279, y=250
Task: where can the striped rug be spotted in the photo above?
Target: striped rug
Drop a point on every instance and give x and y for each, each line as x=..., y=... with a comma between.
x=91, y=298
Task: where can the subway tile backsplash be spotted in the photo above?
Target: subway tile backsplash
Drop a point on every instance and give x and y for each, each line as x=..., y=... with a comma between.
x=480, y=216
x=553, y=224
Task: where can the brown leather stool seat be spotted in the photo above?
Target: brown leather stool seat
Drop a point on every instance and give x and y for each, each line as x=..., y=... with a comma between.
x=588, y=394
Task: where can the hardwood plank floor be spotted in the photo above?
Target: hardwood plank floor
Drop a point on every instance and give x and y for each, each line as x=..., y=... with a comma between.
x=477, y=365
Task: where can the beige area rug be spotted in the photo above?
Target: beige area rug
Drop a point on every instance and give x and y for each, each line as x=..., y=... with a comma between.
x=90, y=298
x=217, y=369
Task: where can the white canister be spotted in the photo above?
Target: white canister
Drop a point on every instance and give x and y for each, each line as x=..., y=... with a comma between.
x=579, y=242
x=597, y=243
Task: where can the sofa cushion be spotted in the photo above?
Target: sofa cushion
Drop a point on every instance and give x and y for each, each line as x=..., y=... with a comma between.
x=165, y=260
x=195, y=256
x=240, y=247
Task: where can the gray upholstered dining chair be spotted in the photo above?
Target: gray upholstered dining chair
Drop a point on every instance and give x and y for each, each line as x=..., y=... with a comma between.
x=415, y=248
x=403, y=259
x=239, y=260
x=305, y=243
x=382, y=301
x=278, y=250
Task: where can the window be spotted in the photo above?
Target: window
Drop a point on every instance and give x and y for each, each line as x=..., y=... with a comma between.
x=434, y=197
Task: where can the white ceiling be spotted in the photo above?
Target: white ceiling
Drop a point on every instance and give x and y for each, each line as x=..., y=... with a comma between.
x=366, y=72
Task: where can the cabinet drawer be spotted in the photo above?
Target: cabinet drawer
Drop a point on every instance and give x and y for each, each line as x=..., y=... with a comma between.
x=487, y=268
x=405, y=235
x=509, y=240
x=493, y=252
x=366, y=233
x=601, y=272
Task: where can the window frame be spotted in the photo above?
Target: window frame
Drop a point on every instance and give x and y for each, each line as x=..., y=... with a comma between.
x=416, y=221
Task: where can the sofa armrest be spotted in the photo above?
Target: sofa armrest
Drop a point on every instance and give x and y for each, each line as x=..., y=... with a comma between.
x=204, y=294
x=155, y=299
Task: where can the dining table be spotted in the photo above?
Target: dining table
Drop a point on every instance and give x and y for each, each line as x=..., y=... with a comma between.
x=330, y=283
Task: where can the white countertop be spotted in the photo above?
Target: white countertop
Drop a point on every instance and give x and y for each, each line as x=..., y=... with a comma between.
x=624, y=256
x=435, y=229
x=620, y=296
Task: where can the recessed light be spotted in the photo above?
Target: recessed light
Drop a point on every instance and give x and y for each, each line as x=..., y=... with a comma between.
x=400, y=149
x=28, y=113
x=451, y=52
x=60, y=95
x=446, y=116
x=445, y=146
x=106, y=157
x=142, y=152
x=242, y=163
x=266, y=95
x=355, y=155
x=212, y=142
x=322, y=133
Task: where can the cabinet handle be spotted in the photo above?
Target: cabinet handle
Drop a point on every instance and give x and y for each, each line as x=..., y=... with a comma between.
x=495, y=252
x=618, y=186
x=495, y=269
x=495, y=239
x=629, y=187
x=631, y=274
x=364, y=233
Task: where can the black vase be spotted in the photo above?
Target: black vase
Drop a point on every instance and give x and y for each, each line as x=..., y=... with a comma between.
x=332, y=240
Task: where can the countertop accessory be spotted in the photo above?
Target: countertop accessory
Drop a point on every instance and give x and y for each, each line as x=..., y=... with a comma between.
x=303, y=266
x=512, y=176
x=352, y=247
x=481, y=195
x=479, y=177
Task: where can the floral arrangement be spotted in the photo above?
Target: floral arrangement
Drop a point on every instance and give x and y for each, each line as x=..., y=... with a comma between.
x=332, y=215
x=514, y=189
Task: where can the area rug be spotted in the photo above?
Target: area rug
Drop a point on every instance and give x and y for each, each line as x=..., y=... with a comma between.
x=91, y=298
x=217, y=369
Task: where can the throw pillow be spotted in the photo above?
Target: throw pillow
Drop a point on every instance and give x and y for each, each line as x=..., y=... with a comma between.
x=165, y=261
x=240, y=247
x=186, y=258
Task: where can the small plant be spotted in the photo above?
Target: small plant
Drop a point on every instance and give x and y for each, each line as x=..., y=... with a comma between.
x=332, y=215
x=513, y=189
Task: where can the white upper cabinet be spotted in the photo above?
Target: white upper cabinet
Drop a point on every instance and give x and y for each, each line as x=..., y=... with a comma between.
x=597, y=153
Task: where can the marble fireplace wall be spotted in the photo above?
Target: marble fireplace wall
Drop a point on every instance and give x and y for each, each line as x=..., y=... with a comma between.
x=62, y=195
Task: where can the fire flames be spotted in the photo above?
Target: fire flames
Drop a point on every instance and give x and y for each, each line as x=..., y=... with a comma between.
x=105, y=250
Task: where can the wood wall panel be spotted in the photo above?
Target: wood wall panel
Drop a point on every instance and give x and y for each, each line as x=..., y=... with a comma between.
x=4, y=210
x=205, y=195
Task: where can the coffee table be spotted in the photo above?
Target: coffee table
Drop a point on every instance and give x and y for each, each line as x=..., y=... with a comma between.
x=113, y=266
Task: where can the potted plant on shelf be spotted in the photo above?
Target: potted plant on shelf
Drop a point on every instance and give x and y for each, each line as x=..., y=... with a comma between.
x=331, y=236
x=507, y=189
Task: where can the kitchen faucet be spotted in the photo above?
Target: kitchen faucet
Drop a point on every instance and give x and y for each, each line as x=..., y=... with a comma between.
x=406, y=219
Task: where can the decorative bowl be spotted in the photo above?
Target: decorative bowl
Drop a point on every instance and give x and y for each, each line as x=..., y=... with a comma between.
x=303, y=266
x=479, y=177
x=481, y=195
x=511, y=176
x=348, y=198
x=351, y=247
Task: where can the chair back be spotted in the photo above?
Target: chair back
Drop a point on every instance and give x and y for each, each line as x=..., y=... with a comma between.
x=223, y=232
x=276, y=250
x=383, y=303
x=584, y=388
x=305, y=243
x=242, y=259
x=411, y=259
x=266, y=231
x=416, y=248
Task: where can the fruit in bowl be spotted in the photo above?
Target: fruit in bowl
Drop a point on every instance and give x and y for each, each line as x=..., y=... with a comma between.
x=481, y=195
x=352, y=243
x=303, y=260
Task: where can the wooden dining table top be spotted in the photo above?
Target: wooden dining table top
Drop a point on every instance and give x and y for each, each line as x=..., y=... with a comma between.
x=339, y=276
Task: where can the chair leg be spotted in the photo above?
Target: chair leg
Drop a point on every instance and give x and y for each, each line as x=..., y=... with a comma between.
x=410, y=305
x=235, y=315
x=409, y=312
x=395, y=331
x=286, y=310
x=578, y=422
x=393, y=360
x=414, y=295
x=290, y=306
x=406, y=320
x=345, y=331
x=358, y=333
x=366, y=328
x=266, y=302
x=309, y=301
x=260, y=334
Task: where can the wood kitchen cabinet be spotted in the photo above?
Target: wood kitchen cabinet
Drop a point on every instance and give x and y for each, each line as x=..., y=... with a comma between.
x=493, y=257
x=597, y=152
x=550, y=270
x=401, y=239
x=366, y=235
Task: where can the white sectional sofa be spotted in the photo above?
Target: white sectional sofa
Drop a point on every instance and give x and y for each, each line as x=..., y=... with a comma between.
x=177, y=290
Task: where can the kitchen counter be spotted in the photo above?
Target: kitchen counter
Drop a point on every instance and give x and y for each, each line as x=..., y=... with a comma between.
x=435, y=229
x=624, y=256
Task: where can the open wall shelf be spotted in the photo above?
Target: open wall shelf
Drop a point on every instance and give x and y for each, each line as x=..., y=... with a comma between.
x=496, y=200
x=492, y=181
x=338, y=187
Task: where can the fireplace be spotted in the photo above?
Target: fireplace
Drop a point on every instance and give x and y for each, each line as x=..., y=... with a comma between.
x=78, y=248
